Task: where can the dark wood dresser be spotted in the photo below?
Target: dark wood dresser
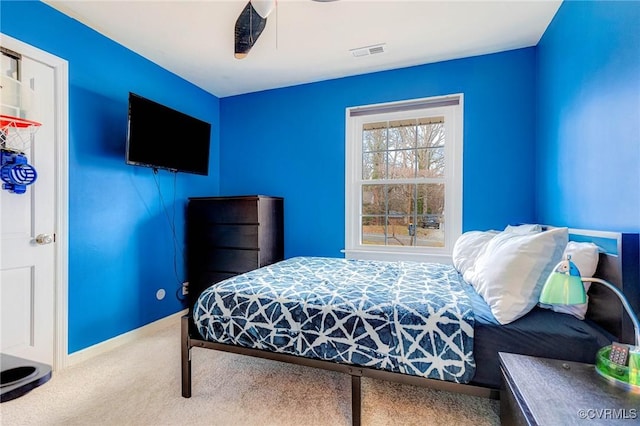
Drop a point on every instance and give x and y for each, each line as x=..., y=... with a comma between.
x=227, y=236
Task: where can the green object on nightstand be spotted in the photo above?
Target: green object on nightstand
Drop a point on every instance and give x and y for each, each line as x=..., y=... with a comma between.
x=634, y=366
x=627, y=378
x=609, y=368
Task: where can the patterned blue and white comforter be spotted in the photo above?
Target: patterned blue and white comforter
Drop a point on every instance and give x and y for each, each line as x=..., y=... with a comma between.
x=408, y=317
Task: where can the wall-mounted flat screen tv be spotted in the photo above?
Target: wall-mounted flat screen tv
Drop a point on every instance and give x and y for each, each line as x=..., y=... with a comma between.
x=163, y=138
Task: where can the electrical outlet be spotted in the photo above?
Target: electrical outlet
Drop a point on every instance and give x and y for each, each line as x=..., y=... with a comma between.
x=185, y=288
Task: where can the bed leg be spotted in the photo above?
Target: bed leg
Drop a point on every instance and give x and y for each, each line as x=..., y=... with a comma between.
x=356, y=400
x=186, y=358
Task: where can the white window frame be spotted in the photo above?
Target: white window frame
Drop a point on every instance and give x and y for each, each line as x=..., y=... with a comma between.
x=451, y=107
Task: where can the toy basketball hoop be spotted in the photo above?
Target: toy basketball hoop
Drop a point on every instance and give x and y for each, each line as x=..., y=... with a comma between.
x=16, y=103
x=16, y=134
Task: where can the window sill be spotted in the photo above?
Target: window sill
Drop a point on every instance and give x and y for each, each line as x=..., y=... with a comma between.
x=388, y=255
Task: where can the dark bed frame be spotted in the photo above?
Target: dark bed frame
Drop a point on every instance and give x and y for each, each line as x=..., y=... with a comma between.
x=619, y=264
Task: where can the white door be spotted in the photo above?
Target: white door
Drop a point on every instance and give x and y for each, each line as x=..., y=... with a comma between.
x=27, y=268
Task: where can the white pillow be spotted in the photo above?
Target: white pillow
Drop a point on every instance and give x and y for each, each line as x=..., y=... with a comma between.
x=510, y=272
x=585, y=256
x=467, y=248
x=523, y=229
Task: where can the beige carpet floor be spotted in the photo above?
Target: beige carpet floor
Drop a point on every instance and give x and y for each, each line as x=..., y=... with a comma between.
x=139, y=384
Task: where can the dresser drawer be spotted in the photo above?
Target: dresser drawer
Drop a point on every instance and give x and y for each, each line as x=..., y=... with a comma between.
x=224, y=235
x=228, y=260
x=204, y=279
x=204, y=212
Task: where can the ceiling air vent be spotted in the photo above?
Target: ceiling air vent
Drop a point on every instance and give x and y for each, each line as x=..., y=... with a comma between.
x=368, y=50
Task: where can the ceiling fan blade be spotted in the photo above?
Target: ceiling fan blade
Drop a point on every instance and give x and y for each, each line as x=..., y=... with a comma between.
x=248, y=28
x=263, y=7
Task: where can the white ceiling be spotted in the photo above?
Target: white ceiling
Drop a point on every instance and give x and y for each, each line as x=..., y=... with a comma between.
x=306, y=41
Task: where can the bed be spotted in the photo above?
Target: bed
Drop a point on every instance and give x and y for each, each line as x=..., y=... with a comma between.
x=443, y=335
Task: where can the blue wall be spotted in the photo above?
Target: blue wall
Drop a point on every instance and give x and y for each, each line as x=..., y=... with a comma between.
x=121, y=248
x=588, y=155
x=290, y=142
x=560, y=120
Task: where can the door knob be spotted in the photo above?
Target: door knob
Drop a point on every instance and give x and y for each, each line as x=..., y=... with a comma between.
x=43, y=239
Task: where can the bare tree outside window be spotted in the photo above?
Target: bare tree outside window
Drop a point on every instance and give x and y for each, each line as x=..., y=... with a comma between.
x=403, y=169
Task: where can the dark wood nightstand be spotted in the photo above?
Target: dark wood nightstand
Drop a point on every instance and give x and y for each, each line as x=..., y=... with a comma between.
x=541, y=391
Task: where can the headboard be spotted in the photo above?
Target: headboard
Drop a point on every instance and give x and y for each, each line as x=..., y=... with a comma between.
x=620, y=265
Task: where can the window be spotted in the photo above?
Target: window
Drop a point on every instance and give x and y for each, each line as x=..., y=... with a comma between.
x=404, y=179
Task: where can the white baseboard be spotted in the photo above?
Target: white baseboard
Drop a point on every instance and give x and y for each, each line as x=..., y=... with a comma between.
x=130, y=336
